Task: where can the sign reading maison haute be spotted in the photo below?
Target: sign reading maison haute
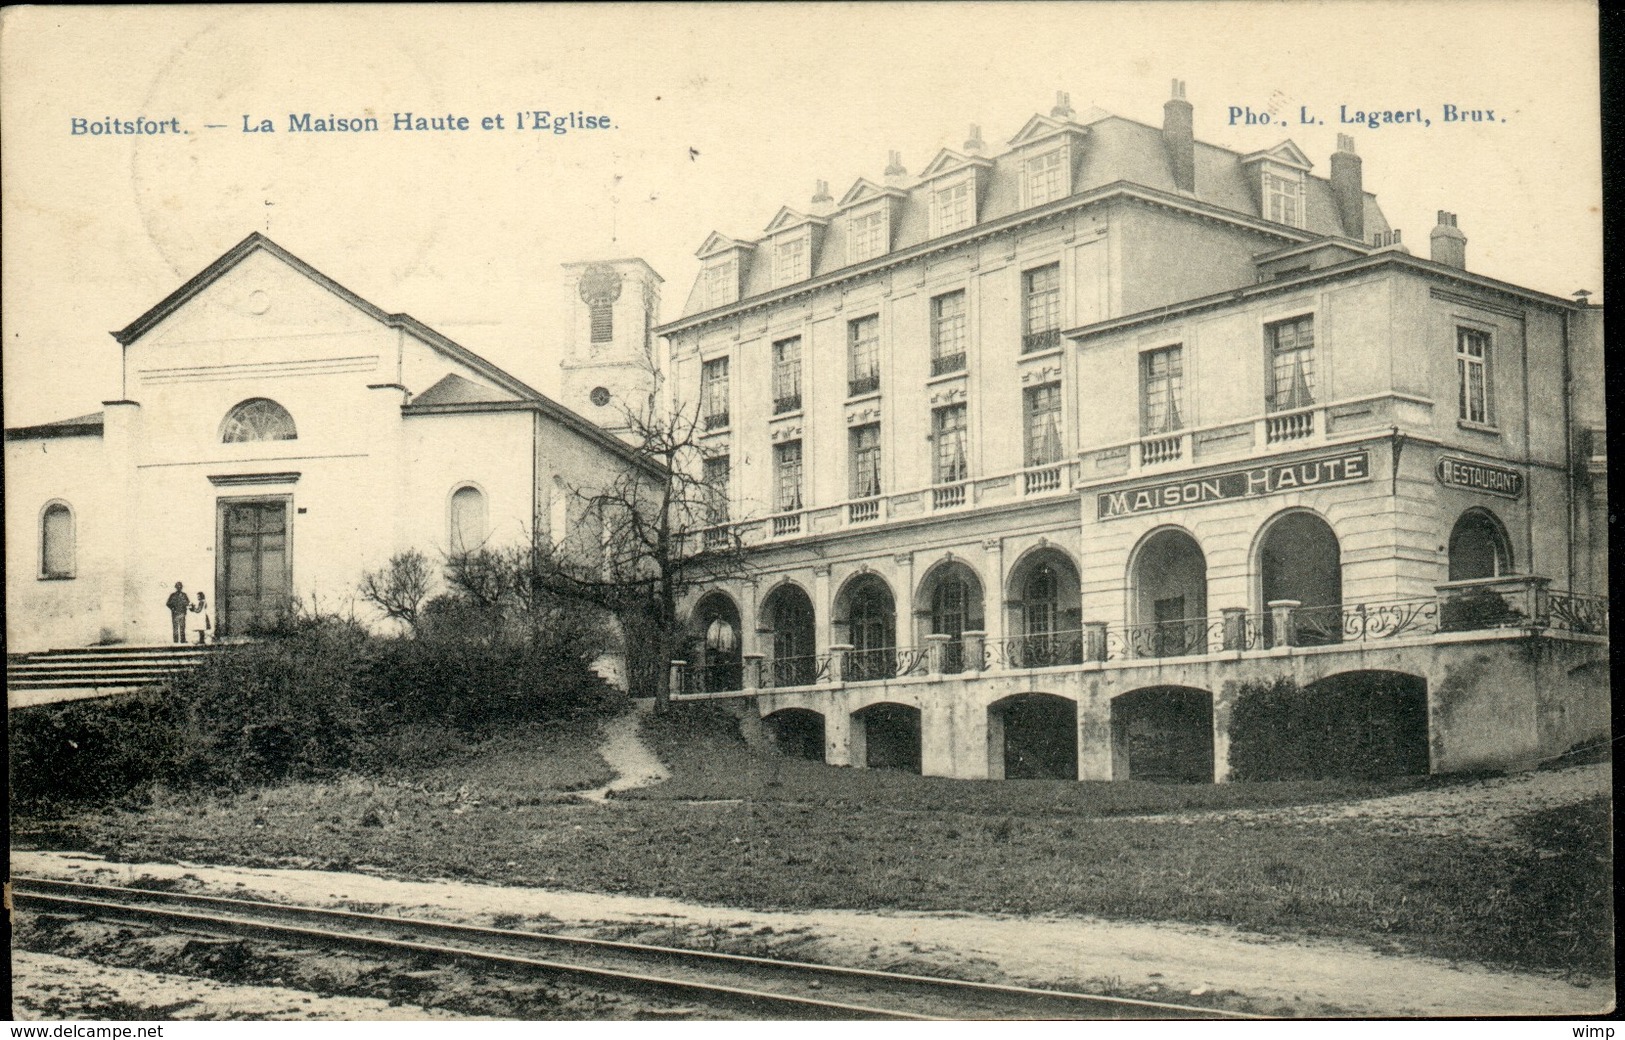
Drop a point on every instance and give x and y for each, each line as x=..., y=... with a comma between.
x=1242, y=483
x=1476, y=476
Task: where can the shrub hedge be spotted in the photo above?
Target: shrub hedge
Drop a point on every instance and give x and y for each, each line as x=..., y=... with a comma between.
x=319, y=696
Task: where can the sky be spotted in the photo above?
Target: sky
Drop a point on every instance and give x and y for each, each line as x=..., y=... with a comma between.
x=720, y=114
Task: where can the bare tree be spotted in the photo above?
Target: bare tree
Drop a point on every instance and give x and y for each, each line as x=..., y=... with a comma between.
x=400, y=587
x=652, y=532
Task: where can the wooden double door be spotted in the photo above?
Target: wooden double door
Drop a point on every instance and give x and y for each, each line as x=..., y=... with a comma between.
x=254, y=579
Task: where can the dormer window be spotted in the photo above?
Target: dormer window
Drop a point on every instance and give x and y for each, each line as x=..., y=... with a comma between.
x=1045, y=180
x=951, y=207
x=867, y=235
x=722, y=282
x=1283, y=197
x=790, y=261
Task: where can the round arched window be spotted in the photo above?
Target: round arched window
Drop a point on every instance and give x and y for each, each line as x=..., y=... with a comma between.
x=258, y=419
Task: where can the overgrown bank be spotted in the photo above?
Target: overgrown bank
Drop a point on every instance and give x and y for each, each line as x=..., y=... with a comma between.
x=321, y=698
x=737, y=828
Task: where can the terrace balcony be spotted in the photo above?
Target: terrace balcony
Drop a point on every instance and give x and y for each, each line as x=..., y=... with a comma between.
x=1261, y=435
x=1492, y=607
x=1500, y=673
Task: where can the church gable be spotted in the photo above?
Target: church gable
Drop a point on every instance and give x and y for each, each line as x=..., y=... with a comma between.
x=262, y=315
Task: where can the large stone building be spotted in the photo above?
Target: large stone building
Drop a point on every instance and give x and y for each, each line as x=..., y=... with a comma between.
x=276, y=436
x=1040, y=452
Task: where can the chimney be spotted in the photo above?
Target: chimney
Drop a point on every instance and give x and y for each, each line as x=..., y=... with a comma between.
x=974, y=145
x=1449, y=245
x=823, y=203
x=895, y=174
x=1348, y=188
x=1063, y=105
x=1178, y=138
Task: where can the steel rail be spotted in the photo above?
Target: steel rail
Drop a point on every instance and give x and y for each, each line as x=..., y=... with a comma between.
x=975, y=1000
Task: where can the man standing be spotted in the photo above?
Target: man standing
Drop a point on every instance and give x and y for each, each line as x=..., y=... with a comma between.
x=178, y=604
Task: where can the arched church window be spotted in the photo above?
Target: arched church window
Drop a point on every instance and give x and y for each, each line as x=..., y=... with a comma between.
x=56, y=541
x=467, y=519
x=258, y=419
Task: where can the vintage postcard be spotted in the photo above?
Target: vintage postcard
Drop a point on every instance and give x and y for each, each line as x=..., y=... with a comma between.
x=965, y=511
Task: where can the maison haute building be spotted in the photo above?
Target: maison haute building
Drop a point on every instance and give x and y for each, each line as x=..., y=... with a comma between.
x=1042, y=450
x=275, y=435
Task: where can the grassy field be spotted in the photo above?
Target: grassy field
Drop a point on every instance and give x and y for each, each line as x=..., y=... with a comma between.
x=737, y=828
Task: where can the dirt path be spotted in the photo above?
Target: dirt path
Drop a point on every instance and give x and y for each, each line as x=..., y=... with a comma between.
x=46, y=987
x=635, y=765
x=1282, y=976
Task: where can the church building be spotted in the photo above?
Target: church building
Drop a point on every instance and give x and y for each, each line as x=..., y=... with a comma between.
x=275, y=436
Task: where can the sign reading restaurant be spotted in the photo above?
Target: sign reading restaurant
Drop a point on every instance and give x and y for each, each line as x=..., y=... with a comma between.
x=1242, y=483
x=1477, y=476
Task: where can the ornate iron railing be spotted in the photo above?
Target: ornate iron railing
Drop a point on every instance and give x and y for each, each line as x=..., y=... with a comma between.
x=1364, y=622
x=1046, y=650
x=724, y=677
x=797, y=671
x=866, y=384
x=1033, y=342
x=945, y=363
x=1517, y=603
x=1165, y=639
x=716, y=420
x=1577, y=613
x=787, y=403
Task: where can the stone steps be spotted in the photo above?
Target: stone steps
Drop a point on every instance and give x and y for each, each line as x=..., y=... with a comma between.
x=75, y=673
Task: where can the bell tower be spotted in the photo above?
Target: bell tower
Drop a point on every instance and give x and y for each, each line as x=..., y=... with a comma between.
x=609, y=363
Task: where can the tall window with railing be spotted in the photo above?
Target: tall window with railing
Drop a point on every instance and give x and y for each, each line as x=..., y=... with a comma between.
x=787, y=476
x=1043, y=403
x=865, y=444
x=1473, y=375
x=863, y=355
x=948, y=333
x=1292, y=363
x=715, y=472
x=714, y=393
x=1162, y=383
x=787, y=375
x=1041, y=308
x=949, y=433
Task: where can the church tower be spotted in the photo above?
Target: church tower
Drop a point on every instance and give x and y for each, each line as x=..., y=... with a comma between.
x=609, y=365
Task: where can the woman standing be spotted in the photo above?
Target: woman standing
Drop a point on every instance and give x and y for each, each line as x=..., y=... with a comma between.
x=199, y=619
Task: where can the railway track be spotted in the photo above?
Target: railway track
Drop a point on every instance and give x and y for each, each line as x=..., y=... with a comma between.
x=755, y=987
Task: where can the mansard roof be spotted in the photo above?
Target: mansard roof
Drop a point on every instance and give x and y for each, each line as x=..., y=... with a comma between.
x=1112, y=155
